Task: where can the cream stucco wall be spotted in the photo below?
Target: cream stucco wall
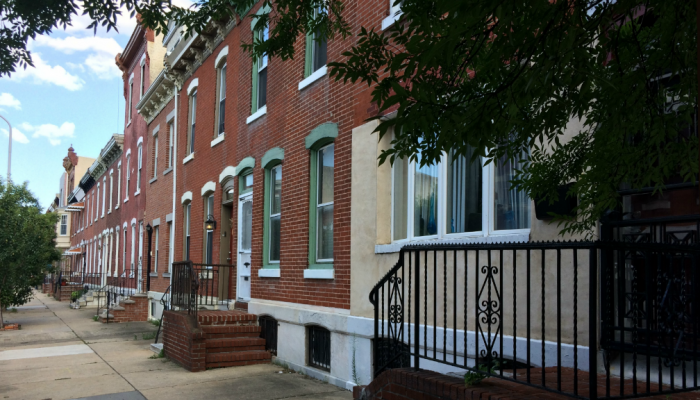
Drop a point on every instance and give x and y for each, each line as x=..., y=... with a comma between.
x=156, y=54
x=370, y=226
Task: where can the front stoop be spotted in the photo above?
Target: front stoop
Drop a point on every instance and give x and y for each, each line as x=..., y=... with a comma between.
x=222, y=339
x=132, y=309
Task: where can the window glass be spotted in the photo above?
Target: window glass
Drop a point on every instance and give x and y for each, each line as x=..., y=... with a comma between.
x=193, y=118
x=155, y=264
x=319, y=51
x=222, y=99
x=263, y=35
x=155, y=156
x=247, y=228
x=324, y=218
x=248, y=181
x=400, y=227
x=464, y=193
x=275, y=212
x=425, y=199
x=511, y=206
x=187, y=231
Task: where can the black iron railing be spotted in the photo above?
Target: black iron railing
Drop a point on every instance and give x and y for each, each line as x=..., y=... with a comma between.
x=529, y=313
x=116, y=289
x=165, y=302
x=319, y=347
x=94, y=279
x=203, y=286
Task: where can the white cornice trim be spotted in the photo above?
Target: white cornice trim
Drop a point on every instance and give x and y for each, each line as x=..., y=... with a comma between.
x=193, y=85
x=187, y=196
x=208, y=187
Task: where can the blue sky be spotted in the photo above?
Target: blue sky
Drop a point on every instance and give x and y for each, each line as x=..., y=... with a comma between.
x=74, y=95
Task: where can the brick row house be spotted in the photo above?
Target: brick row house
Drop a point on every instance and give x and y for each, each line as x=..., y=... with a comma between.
x=261, y=176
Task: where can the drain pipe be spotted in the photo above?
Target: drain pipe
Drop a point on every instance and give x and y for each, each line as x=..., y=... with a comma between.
x=172, y=223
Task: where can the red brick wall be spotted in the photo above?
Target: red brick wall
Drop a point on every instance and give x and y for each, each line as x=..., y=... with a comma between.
x=136, y=311
x=159, y=202
x=399, y=384
x=291, y=115
x=183, y=341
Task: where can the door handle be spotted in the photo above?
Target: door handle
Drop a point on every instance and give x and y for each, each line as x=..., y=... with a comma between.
x=246, y=265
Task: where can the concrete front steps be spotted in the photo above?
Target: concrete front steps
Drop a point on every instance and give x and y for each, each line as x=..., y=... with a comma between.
x=232, y=338
x=91, y=298
x=130, y=309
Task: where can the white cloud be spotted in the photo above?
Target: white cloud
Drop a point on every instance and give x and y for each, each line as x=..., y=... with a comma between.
x=80, y=22
x=103, y=66
x=72, y=44
x=17, y=135
x=53, y=133
x=8, y=100
x=45, y=73
x=77, y=67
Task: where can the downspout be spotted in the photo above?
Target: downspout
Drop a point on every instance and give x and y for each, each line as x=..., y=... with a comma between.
x=172, y=223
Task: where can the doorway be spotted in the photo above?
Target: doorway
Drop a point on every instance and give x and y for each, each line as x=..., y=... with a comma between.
x=225, y=255
x=245, y=236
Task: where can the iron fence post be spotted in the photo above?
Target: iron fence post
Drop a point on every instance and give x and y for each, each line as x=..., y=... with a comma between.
x=416, y=326
x=593, y=323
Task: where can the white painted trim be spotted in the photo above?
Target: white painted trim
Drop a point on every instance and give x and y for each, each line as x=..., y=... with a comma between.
x=187, y=196
x=318, y=274
x=131, y=78
x=170, y=116
x=143, y=59
x=119, y=164
x=193, y=85
x=188, y=158
x=208, y=187
x=133, y=221
x=320, y=73
x=156, y=130
x=128, y=153
x=125, y=225
x=269, y=273
x=493, y=238
x=227, y=172
x=394, y=16
x=218, y=140
x=222, y=54
x=257, y=114
x=138, y=142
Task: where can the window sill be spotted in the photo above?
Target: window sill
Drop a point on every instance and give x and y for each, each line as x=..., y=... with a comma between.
x=153, y=274
x=217, y=140
x=269, y=273
x=166, y=274
x=155, y=178
x=320, y=73
x=318, y=273
x=389, y=21
x=493, y=238
x=188, y=158
x=137, y=193
x=257, y=114
x=167, y=171
x=126, y=200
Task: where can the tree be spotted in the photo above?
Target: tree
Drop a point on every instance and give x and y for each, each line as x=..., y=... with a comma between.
x=27, y=244
x=503, y=79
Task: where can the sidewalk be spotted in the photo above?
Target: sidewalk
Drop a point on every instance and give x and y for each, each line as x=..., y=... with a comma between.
x=62, y=353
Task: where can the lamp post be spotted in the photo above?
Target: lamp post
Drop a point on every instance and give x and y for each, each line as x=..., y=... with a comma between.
x=149, y=230
x=9, y=152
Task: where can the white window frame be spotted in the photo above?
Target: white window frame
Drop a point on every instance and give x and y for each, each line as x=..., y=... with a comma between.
x=279, y=214
x=157, y=234
x=222, y=97
x=104, y=195
x=142, y=88
x=64, y=225
x=155, y=155
x=192, y=121
x=119, y=185
x=394, y=15
x=138, y=171
x=128, y=177
x=320, y=205
x=171, y=154
x=111, y=190
x=487, y=215
x=130, y=102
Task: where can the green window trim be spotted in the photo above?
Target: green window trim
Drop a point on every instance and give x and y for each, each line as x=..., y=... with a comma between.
x=245, y=167
x=319, y=137
x=267, y=167
x=272, y=157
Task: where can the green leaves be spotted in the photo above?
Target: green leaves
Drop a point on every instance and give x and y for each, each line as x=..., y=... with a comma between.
x=27, y=237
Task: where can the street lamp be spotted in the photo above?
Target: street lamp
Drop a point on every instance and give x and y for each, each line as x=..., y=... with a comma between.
x=210, y=223
x=149, y=230
x=9, y=152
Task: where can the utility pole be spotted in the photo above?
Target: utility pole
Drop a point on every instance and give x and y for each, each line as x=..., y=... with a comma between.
x=9, y=151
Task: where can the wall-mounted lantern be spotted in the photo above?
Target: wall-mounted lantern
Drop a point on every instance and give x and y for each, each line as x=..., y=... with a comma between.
x=210, y=223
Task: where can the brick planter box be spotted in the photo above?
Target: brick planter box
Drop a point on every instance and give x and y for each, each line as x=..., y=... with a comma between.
x=11, y=327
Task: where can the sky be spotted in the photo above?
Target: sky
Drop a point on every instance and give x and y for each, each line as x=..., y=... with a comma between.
x=73, y=95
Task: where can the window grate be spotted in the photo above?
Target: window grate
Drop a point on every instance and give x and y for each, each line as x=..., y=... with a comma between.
x=268, y=331
x=320, y=348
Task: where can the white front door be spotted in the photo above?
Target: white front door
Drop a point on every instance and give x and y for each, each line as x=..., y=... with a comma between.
x=245, y=239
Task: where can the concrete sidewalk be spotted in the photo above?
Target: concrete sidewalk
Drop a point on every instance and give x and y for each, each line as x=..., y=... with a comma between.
x=62, y=353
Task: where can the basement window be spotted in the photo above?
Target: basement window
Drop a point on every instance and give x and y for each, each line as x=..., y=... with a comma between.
x=319, y=348
x=268, y=331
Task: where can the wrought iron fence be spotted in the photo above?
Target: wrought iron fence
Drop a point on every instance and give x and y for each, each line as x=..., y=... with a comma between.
x=530, y=313
x=165, y=302
x=214, y=288
x=116, y=288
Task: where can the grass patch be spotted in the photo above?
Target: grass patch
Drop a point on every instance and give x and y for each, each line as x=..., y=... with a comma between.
x=95, y=317
x=148, y=335
x=159, y=355
x=13, y=310
x=155, y=322
x=473, y=378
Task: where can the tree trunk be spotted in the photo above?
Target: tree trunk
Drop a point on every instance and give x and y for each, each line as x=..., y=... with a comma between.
x=2, y=324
